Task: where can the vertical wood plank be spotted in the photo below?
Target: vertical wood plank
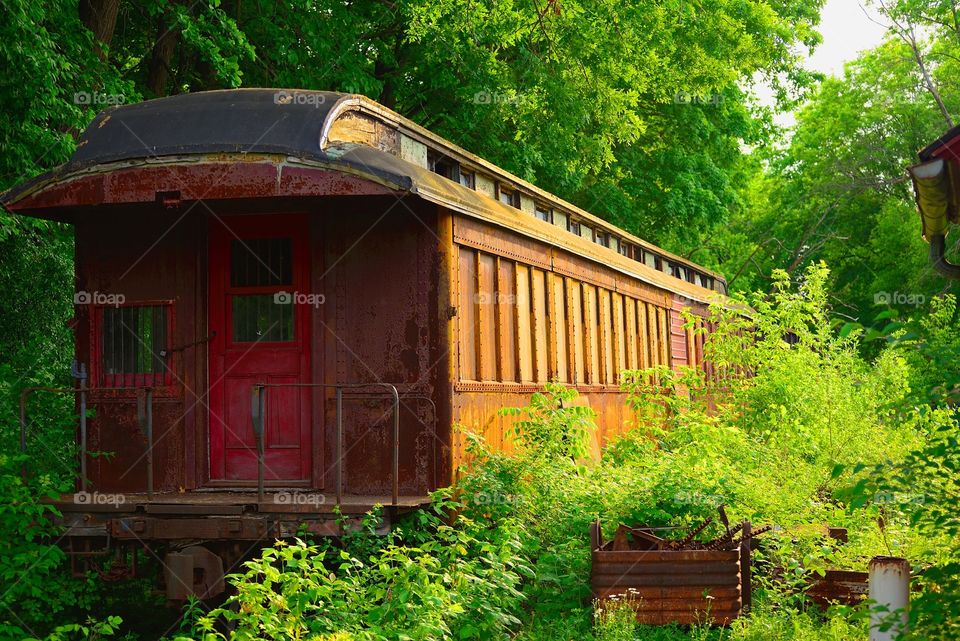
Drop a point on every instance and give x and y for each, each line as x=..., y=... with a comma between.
x=592, y=331
x=541, y=350
x=467, y=316
x=575, y=330
x=663, y=319
x=630, y=319
x=505, y=302
x=558, y=329
x=523, y=316
x=619, y=348
x=643, y=335
x=487, y=316
x=606, y=338
x=654, y=328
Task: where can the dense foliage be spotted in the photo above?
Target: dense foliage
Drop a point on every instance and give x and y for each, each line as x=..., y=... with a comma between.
x=504, y=555
x=644, y=113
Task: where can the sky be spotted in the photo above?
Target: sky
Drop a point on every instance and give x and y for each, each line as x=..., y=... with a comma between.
x=847, y=30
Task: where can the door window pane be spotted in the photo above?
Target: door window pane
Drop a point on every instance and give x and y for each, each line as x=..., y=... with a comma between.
x=262, y=317
x=261, y=262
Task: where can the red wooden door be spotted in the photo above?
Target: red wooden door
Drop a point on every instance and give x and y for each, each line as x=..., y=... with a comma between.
x=257, y=264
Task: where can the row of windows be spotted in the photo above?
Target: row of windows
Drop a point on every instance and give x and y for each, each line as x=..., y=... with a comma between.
x=521, y=324
x=508, y=195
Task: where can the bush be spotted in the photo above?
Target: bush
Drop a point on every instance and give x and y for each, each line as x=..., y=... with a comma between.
x=442, y=578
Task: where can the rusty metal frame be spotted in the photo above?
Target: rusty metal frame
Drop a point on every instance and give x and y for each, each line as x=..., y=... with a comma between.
x=258, y=412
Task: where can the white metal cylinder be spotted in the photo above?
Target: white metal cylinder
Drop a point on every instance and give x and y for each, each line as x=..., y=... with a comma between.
x=890, y=592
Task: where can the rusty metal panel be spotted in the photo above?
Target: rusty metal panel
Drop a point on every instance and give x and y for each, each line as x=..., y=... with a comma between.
x=119, y=253
x=557, y=321
x=467, y=315
x=575, y=330
x=592, y=330
x=486, y=269
x=685, y=586
x=839, y=586
x=538, y=293
x=505, y=301
x=523, y=318
x=380, y=323
x=146, y=528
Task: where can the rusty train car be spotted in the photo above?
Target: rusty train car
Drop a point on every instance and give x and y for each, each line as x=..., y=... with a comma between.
x=286, y=300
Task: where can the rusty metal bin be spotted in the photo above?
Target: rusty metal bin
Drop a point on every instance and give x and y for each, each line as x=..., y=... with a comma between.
x=838, y=586
x=671, y=586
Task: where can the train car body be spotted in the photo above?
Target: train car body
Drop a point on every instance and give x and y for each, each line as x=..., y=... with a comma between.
x=287, y=300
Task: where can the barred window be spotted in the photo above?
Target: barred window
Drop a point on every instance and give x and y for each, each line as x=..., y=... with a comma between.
x=134, y=347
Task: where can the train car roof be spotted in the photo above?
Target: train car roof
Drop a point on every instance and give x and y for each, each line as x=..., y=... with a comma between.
x=941, y=145
x=324, y=128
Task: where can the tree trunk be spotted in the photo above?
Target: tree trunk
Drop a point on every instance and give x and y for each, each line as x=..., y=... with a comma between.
x=100, y=17
x=168, y=35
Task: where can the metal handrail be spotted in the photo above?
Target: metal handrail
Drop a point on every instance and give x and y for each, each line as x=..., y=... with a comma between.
x=258, y=412
x=144, y=418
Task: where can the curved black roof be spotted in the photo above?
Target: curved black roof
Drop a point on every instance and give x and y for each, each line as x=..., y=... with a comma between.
x=281, y=121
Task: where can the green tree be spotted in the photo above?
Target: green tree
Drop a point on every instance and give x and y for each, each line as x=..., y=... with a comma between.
x=839, y=191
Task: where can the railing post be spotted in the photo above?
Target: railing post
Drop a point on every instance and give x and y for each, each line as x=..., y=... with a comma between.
x=257, y=408
x=396, y=445
x=149, y=395
x=339, y=391
x=746, y=579
x=81, y=376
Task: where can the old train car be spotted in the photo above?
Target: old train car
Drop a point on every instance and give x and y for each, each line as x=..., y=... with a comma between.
x=287, y=299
